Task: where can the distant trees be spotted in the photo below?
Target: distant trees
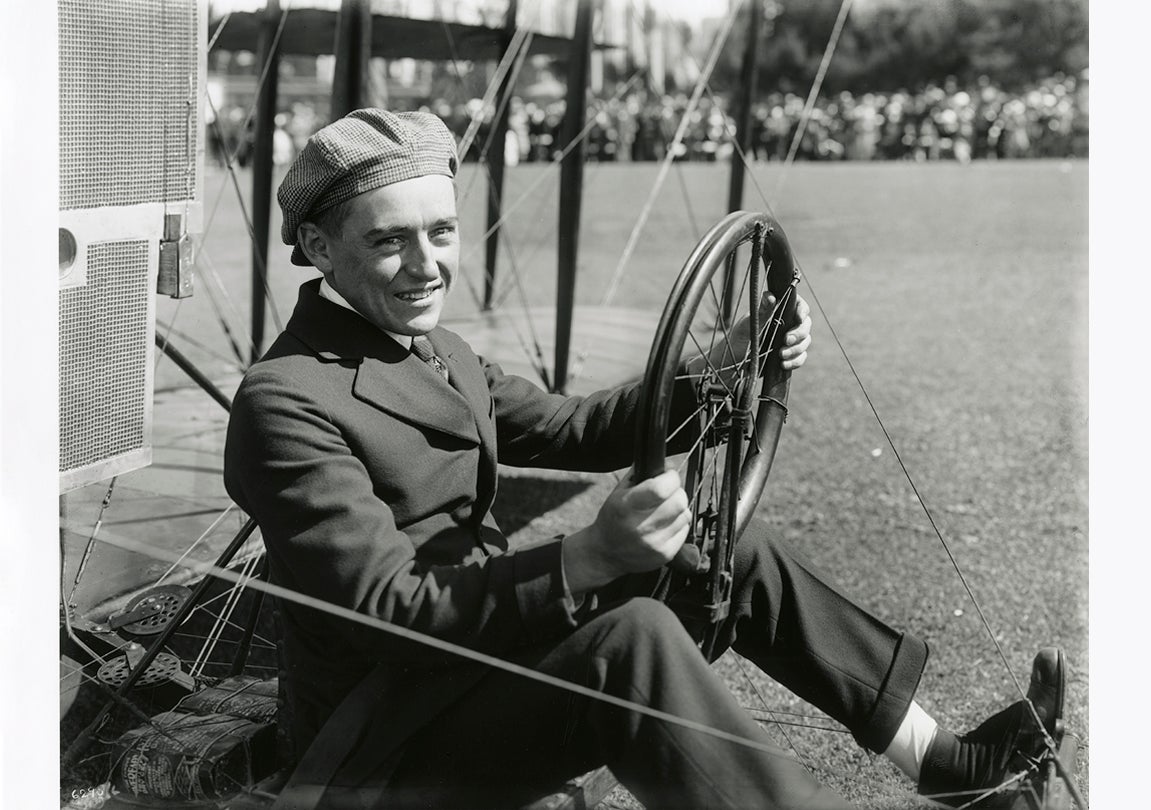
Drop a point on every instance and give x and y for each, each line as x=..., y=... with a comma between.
x=891, y=44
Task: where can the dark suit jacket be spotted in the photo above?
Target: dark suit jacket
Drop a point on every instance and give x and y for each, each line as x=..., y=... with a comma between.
x=372, y=482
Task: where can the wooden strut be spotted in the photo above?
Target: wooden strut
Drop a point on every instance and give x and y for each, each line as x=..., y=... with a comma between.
x=265, y=126
x=353, y=51
x=571, y=188
x=495, y=159
x=747, y=89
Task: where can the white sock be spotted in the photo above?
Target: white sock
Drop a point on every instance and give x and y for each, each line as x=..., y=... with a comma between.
x=911, y=741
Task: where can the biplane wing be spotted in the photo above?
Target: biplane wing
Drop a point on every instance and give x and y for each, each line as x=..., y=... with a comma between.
x=311, y=32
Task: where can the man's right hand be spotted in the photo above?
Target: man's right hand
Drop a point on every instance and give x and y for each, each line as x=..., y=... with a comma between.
x=640, y=527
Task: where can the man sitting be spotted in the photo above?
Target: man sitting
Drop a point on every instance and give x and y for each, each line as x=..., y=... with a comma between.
x=365, y=444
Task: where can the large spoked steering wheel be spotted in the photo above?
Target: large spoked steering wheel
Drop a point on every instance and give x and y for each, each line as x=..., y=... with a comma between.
x=729, y=410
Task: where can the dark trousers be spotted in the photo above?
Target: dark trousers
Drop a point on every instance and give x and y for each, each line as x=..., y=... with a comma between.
x=511, y=739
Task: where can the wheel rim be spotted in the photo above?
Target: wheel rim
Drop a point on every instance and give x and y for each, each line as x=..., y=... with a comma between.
x=739, y=422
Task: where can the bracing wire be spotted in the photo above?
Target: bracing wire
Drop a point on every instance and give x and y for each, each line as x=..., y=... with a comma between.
x=821, y=73
x=633, y=238
x=763, y=702
x=212, y=274
x=341, y=612
x=681, y=131
x=513, y=59
x=743, y=159
x=502, y=69
x=229, y=159
x=517, y=52
x=554, y=164
x=825, y=62
x=211, y=278
x=171, y=331
x=261, y=266
x=219, y=30
x=91, y=544
x=926, y=510
x=688, y=208
x=496, y=662
x=534, y=353
x=816, y=86
x=192, y=547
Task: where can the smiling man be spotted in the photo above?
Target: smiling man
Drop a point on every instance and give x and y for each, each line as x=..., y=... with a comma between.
x=392, y=253
x=365, y=443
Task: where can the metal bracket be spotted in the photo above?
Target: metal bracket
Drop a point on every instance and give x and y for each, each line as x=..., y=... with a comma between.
x=177, y=263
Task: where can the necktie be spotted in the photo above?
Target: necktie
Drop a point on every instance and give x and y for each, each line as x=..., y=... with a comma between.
x=422, y=348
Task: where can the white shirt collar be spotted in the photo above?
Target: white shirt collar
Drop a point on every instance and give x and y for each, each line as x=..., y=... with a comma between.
x=327, y=291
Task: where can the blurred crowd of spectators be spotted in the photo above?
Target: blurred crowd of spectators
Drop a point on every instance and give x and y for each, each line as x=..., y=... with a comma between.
x=946, y=122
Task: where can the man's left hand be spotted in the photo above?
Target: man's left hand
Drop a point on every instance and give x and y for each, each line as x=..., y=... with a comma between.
x=728, y=354
x=798, y=340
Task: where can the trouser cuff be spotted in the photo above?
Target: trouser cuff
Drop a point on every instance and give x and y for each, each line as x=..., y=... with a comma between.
x=895, y=695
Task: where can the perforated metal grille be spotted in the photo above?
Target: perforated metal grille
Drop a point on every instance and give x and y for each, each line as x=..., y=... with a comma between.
x=128, y=73
x=104, y=349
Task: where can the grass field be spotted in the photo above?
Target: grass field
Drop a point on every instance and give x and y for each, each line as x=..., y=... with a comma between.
x=960, y=294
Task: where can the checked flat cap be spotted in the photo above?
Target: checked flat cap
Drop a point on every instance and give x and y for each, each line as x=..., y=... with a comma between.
x=362, y=151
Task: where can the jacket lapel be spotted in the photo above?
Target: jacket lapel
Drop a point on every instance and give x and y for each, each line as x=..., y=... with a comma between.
x=468, y=378
x=389, y=376
x=411, y=390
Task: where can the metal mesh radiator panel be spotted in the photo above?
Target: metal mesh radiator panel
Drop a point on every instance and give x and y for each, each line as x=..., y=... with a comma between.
x=128, y=109
x=104, y=351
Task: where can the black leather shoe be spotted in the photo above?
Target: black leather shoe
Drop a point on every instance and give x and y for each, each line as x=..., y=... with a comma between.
x=959, y=770
x=1046, y=689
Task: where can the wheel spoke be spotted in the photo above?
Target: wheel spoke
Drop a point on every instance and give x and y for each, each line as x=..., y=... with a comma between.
x=707, y=361
x=224, y=619
x=718, y=322
x=686, y=422
x=701, y=440
x=263, y=643
x=743, y=284
x=709, y=470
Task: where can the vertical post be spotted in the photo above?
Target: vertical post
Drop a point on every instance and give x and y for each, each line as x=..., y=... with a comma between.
x=353, y=50
x=651, y=33
x=571, y=187
x=630, y=62
x=747, y=88
x=267, y=59
x=495, y=162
